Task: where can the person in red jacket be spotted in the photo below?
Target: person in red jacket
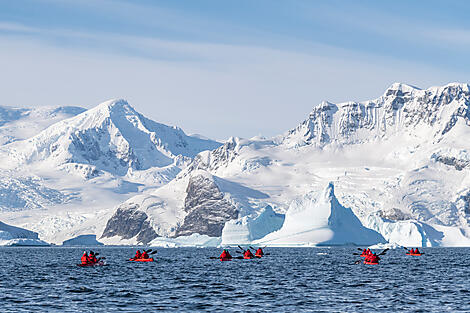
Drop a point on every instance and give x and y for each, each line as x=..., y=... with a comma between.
x=225, y=255
x=84, y=258
x=248, y=255
x=145, y=255
x=369, y=252
x=374, y=258
x=92, y=258
x=138, y=255
x=417, y=251
x=259, y=252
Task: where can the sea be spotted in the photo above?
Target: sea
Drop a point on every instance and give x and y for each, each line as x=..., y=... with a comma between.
x=47, y=279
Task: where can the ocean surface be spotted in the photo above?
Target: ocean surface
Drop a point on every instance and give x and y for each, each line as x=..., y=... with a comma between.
x=186, y=280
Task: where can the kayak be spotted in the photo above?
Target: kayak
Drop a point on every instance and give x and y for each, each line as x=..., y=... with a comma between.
x=258, y=255
x=100, y=263
x=363, y=255
x=371, y=263
x=248, y=257
x=415, y=254
x=142, y=260
x=226, y=259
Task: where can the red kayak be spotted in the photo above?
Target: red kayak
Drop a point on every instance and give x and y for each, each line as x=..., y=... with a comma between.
x=100, y=263
x=226, y=259
x=142, y=260
x=258, y=256
x=371, y=263
x=415, y=254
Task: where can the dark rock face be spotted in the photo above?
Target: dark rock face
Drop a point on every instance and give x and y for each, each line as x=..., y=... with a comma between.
x=451, y=161
x=207, y=209
x=129, y=222
x=393, y=214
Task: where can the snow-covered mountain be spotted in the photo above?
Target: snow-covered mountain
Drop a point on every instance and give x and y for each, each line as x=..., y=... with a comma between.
x=82, y=166
x=399, y=162
x=399, y=165
x=429, y=113
x=111, y=137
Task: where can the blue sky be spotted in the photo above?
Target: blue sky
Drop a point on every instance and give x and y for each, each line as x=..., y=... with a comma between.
x=220, y=68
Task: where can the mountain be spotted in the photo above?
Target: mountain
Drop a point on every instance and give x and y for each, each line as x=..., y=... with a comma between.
x=429, y=113
x=400, y=163
x=63, y=180
x=196, y=203
x=111, y=137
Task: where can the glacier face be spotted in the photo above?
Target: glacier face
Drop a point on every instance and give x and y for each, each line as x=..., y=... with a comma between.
x=399, y=165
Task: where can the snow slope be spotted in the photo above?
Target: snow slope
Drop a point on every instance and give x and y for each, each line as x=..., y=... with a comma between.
x=22, y=123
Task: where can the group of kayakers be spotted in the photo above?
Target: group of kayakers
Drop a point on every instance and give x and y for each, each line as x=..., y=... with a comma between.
x=247, y=254
x=415, y=251
x=141, y=255
x=370, y=257
x=89, y=259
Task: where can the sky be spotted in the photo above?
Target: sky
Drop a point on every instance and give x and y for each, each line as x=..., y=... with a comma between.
x=226, y=68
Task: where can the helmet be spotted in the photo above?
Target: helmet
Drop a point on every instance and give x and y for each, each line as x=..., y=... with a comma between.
x=84, y=252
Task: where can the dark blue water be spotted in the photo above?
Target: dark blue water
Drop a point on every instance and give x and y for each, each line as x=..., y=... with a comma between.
x=289, y=280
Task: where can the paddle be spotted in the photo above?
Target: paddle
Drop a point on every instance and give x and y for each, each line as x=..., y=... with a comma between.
x=383, y=252
x=153, y=252
x=241, y=249
x=360, y=249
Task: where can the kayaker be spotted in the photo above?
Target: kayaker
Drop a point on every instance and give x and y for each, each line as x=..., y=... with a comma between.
x=368, y=252
x=92, y=258
x=138, y=255
x=84, y=258
x=248, y=255
x=259, y=252
x=417, y=251
x=225, y=255
x=144, y=255
x=374, y=258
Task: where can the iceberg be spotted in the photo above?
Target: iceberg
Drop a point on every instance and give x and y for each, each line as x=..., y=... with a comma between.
x=16, y=236
x=318, y=219
x=248, y=228
x=82, y=240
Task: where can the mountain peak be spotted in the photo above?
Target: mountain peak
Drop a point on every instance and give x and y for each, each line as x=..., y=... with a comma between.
x=402, y=109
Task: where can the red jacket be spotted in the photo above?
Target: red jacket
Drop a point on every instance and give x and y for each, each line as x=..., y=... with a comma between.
x=145, y=255
x=259, y=252
x=84, y=258
x=225, y=255
x=138, y=255
x=92, y=259
x=248, y=254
